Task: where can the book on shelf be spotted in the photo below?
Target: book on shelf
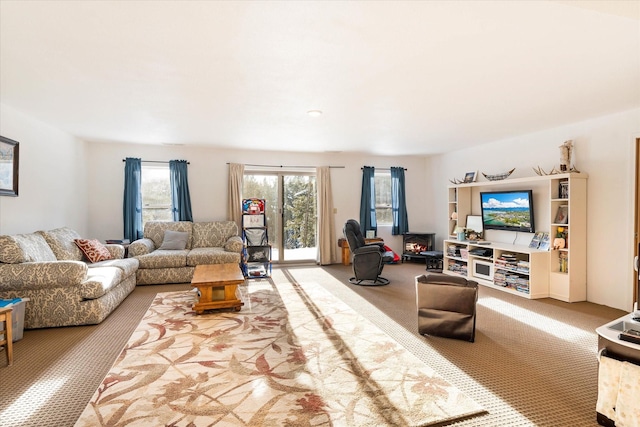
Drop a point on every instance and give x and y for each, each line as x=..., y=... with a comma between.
x=563, y=189
x=545, y=242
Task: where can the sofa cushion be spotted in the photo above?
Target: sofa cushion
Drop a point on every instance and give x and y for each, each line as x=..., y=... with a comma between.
x=199, y=256
x=213, y=234
x=100, y=280
x=61, y=241
x=93, y=250
x=154, y=230
x=163, y=259
x=157, y=276
x=128, y=266
x=174, y=240
x=24, y=248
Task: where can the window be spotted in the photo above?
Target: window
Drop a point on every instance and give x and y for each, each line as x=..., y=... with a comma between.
x=384, y=214
x=156, y=193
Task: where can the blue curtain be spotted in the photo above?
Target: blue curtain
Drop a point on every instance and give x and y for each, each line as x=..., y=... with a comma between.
x=398, y=202
x=368, y=201
x=180, y=198
x=132, y=206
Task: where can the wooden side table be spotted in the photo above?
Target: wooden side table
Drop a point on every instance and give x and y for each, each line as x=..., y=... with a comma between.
x=7, y=340
x=346, y=253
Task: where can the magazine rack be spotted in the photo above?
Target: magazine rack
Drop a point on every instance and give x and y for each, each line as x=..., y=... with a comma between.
x=256, y=255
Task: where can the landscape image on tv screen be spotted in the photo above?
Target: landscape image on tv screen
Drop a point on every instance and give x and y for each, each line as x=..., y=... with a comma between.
x=508, y=210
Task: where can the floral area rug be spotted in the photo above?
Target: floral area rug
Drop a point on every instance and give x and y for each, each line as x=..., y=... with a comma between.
x=294, y=355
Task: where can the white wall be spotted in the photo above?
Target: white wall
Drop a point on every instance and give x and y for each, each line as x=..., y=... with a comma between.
x=604, y=149
x=52, y=183
x=64, y=181
x=208, y=172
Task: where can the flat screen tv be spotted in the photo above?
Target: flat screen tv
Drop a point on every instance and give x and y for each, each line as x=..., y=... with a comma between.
x=507, y=210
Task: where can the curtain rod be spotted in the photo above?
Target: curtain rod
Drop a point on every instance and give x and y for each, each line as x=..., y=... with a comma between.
x=281, y=166
x=153, y=161
x=382, y=169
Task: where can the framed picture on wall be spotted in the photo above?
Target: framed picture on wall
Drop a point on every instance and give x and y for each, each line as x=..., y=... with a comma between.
x=9, y=150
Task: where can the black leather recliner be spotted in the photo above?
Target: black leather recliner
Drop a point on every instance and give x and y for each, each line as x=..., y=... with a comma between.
x=367, y=259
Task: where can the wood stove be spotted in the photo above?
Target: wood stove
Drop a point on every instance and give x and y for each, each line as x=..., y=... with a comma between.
x=414, y=243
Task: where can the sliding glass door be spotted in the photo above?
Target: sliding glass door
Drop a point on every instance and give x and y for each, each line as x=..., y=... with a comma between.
x=291, y=211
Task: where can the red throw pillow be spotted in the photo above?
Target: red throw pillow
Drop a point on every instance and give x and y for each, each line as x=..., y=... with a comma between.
x=93, y=250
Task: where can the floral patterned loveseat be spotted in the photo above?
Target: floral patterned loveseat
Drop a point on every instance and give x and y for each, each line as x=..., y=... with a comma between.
x=215, y=242
x=63, y=287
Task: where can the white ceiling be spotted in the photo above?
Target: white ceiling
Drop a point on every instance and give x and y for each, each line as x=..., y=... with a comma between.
x=401, y=77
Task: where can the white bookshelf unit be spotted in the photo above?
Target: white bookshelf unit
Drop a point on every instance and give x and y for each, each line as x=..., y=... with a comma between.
x=568, y=280
x=526, y=272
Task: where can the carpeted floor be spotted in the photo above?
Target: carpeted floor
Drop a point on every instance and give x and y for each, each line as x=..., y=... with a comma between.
x=533, y=362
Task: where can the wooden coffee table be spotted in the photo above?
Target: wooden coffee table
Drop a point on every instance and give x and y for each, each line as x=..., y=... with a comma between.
x=217, y=284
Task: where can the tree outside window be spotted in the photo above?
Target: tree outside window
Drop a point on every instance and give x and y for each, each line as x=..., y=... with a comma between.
x=384, y=215
x=156, y=193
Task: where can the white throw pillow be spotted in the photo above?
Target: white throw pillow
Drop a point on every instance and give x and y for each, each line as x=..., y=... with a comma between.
x=174, y=240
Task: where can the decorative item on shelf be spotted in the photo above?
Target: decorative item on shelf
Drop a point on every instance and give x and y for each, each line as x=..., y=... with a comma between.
x=562, y=216
x=460, y=233
x=454, y=216
x=560, y=242
x=566, y=152
x=498, y=176
x=470, y=177
x=472, y=235
x=540, y=172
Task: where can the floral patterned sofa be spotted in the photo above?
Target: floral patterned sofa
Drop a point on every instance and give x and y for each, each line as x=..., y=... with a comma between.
x=215, y=242
x=64, y=288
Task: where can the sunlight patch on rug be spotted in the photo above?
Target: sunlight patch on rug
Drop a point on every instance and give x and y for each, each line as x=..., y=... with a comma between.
x=294, y=355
